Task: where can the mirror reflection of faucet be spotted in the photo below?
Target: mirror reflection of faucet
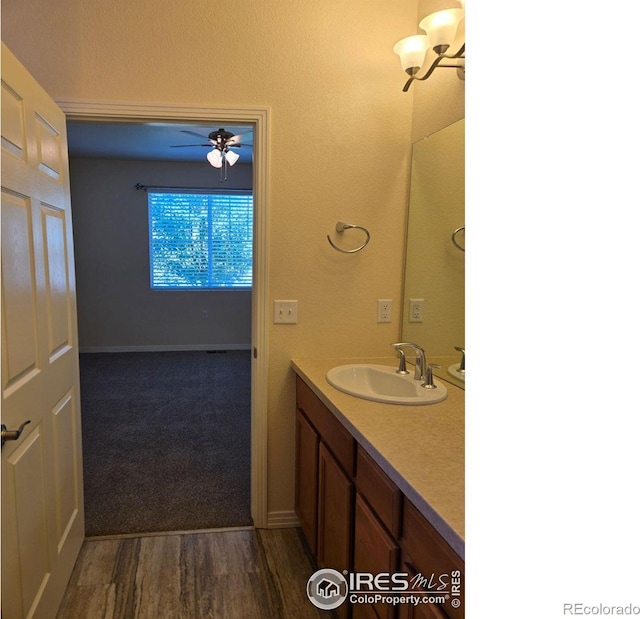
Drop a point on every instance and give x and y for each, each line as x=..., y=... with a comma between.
x=458, y=369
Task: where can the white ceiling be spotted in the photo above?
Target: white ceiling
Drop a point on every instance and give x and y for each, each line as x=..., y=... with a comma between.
x=150, y=141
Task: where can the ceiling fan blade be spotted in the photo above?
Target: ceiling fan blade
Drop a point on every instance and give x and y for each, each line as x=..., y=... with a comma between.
x=231, y=145
x=188, y=145
x=242, y=134
x=241, y=139
x=198, y=135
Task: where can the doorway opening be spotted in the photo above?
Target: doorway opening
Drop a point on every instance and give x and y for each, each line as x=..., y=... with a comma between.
x=257, y=120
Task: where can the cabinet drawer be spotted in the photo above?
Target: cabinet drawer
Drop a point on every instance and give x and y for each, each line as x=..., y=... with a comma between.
x=426, y=552
x=333, y=433
x=381, y=493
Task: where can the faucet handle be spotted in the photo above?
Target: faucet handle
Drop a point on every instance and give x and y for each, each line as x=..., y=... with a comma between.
x=402, y=368
x=428, y=380
x=460, y=349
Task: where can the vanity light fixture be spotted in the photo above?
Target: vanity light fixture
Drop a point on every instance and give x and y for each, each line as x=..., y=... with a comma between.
x=441, y=29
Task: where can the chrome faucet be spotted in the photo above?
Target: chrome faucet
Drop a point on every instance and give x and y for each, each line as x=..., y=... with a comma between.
x=421, y=359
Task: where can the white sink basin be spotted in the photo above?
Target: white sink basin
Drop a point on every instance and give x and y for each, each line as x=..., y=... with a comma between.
x=381, y=383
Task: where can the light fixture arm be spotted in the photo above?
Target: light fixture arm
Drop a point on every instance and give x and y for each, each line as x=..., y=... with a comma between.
x=435, y=65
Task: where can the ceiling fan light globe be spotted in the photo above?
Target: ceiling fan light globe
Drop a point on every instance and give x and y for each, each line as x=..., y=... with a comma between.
x=231, y=157
x=215, y=158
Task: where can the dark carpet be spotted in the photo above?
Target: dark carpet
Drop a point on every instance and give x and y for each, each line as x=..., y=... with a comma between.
x=166, y=441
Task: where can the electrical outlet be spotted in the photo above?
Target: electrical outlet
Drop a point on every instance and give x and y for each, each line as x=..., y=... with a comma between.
x=285, y=312
x=384, y=310
x=416, y=310
x=205, y=314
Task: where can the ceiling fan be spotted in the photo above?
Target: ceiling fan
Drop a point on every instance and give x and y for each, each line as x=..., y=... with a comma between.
x=220, y=142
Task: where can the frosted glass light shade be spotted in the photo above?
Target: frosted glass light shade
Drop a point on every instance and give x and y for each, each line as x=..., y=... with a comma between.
x=441, y=26
x=231, y=157
x=412, y=51
x=215, y=158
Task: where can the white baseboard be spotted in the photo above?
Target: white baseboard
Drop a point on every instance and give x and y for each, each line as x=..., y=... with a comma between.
x=282, y=520
x=164, y=348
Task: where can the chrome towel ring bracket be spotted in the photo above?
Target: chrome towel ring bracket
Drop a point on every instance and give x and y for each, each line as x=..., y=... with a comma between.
x=455, y=240
x=341, y=227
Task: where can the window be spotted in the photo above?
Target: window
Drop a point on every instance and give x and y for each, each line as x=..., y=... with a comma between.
x=201, y=240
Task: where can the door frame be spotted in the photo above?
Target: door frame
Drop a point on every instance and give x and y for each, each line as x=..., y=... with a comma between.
x=86, y=110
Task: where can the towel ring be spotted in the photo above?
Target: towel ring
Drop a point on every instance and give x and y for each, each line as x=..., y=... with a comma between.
x=455, y=241
x=341, y=227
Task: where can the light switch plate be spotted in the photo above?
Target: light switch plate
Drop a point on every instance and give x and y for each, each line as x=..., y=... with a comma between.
x=285, y=312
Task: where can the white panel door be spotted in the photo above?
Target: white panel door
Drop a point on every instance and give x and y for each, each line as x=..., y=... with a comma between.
x=42, y=497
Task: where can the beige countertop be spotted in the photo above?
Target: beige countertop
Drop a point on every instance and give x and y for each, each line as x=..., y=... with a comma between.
x=421, y=448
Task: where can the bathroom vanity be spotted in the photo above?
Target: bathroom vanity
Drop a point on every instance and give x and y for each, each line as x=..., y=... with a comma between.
x=380, y=489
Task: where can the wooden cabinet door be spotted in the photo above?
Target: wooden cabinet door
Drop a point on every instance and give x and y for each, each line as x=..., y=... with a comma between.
x=335, y=517
x=425, y=552
x=335, y=513
x=421, y=611
x=374, y=550
x=306, y=502
x=364, y=611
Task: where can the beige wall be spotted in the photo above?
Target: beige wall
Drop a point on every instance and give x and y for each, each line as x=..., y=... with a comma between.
x=340, y=150
x=117, y=309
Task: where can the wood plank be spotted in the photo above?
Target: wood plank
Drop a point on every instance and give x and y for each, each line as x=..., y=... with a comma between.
x=157, y=578
x=290, y=570
x=231, y=574
x=95, y=601
x=223, y=574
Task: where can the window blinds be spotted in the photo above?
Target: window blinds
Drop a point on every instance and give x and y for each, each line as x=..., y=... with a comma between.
x=200, y=240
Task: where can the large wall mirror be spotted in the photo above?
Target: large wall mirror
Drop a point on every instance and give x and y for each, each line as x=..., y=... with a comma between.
x=434, y=269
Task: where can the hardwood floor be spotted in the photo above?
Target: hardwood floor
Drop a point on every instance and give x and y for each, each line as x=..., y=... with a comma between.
x=229, y=574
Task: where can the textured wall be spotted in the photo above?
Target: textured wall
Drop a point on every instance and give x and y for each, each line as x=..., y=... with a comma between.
x=116, y=306
x=340, y=148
